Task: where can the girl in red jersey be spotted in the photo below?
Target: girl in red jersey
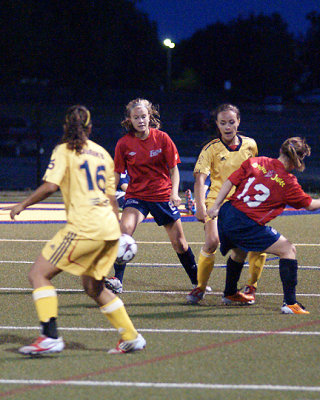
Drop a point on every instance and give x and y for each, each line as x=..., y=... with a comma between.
x=151, y=160
x=264, y=186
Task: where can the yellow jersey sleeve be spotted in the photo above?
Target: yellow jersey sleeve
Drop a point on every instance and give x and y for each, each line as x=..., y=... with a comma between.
x=220, y=161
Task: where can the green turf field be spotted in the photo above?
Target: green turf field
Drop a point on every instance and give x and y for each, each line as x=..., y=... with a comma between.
x=208, y=351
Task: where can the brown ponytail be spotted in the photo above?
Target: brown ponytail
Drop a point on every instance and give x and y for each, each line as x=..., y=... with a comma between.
x=77, y=127
x=296, y=149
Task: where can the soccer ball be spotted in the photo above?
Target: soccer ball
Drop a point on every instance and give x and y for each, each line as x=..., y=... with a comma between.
x=127, y=249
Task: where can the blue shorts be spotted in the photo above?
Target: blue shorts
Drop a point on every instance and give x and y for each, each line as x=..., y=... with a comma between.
x=121, y=202
x=163, y=212
x=237, y=230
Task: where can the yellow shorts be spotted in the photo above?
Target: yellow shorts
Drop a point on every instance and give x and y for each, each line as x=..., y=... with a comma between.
x=78, y=255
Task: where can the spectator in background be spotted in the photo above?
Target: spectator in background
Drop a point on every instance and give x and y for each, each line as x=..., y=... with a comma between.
x=219, y=158
x=263, y=188
x=151, y=159
x=87, y=246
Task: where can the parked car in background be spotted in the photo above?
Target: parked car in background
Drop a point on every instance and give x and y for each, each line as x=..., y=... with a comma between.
x=310, y=97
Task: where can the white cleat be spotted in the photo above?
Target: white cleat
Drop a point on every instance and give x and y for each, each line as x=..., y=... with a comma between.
x=43, y=345
x=129, y=346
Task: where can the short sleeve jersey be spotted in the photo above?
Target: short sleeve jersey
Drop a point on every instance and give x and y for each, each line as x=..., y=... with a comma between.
x=147, y=162
x=219, y=160
x=264, y=188
x=85, y=180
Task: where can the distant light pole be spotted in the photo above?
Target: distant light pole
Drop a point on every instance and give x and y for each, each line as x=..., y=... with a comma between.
x=170, y=45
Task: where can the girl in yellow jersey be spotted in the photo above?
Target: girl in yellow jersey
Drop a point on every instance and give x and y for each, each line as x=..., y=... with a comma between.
x=87, y=246
x=219, y=158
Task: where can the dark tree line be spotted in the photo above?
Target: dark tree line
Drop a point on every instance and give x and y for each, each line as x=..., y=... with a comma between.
x=97, y=42
x=107, y=43
x=258, y=55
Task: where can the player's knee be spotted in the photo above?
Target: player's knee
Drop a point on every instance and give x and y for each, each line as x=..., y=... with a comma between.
x=180, y=245
x=288, y=251
x=211, y=246
x=91, y=290
x=238, y=255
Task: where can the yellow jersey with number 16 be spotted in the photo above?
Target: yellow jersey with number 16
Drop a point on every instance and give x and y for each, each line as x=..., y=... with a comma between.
x=85, y=180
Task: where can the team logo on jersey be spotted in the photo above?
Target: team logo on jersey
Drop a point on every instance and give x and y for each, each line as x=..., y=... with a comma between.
x=154, y=153
x=223, y=158
x=269, y=174
x=132, y=153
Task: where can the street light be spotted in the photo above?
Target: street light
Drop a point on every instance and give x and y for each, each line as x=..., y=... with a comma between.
x=170, y=45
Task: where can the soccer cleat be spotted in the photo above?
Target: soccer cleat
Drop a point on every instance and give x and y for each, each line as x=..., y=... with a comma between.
x=238, y=298
x=43, y=345
x=296, y=308
x=113, y=284
x=208, y=288
x=251, y=291
x=195, y=296
x=190, y=203
x=129, y=346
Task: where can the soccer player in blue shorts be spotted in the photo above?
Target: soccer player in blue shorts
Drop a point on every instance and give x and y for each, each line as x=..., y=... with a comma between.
x=151, y=159
x=263, y=188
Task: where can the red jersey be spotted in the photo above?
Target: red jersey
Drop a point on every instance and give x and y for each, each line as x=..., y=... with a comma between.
x=264, y=188
x=148, y=162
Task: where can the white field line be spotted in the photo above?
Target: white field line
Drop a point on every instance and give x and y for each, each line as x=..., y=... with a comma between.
x=162, y=385
x=163, y=265
x=172, y=292
x=180, y=331
x=138, y=241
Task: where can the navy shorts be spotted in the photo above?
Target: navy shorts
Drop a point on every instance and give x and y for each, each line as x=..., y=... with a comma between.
x=237, y=230
x=163, y=212
x=121, y=201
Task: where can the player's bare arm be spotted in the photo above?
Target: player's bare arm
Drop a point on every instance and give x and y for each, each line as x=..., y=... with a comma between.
x=41, y=193
x=225, y=189
x=200, y=196
x=175, y=179
x=314, y=205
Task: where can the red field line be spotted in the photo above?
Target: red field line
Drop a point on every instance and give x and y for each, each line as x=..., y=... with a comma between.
x=242, y=339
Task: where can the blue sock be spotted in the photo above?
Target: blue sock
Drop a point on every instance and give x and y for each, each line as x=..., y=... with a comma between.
x=288, y=269
x=233, y=274
x=189, y=264
x=119, y=271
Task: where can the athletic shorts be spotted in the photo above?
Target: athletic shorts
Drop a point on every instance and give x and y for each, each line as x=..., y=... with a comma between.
x=78, y=255
x=237, y=230
x=163, y=212
x=121, y=202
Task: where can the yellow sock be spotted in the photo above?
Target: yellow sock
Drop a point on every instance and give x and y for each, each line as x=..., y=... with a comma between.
x=119, y=319
x=256, y=264
x=46, y=302
x=205, y=267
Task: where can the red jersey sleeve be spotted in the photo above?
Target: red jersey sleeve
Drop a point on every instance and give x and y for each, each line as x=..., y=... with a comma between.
x=171, y=152
x=119, y=162
x=295, y=196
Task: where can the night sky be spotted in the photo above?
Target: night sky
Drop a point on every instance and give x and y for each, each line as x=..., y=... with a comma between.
x=179, y=19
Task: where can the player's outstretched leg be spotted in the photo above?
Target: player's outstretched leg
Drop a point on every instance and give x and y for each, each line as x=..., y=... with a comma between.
x=256, y=263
